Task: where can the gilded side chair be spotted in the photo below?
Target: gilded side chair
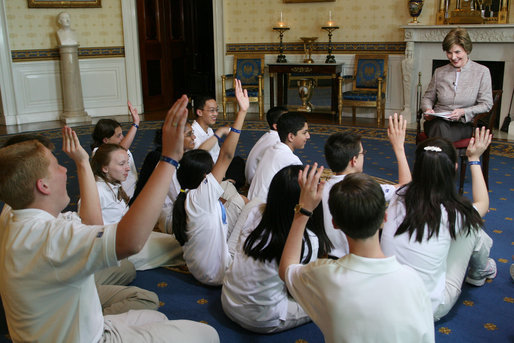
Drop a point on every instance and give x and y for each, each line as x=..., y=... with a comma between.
x=249, y=69
x=368, y=86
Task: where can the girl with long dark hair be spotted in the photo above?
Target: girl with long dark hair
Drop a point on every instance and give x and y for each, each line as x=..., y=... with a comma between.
x=253, y=294
x=436, y=231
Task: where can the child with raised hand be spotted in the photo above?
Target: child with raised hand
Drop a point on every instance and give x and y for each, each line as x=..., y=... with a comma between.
x=435, y=230
x=109, y=131
x=342, y=296
x=200, y=220
x=48, y=260
x=111, y=167
x=345, y=154
x=253, y=294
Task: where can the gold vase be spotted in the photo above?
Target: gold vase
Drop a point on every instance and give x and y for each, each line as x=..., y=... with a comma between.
x=305, y=88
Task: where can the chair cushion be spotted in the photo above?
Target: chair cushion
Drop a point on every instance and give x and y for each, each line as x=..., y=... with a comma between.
x=253, y=92
x=361, y=95
x=420, y=137
x=247, y=70
x=461, y=144
x=368, y=72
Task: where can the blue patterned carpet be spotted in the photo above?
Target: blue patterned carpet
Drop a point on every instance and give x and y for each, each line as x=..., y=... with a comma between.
x=483, y=314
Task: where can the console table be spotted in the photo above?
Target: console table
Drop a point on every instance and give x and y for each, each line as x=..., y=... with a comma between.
x=308, y=69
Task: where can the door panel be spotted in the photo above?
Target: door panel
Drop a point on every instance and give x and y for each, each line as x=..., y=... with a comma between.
x=176, y=49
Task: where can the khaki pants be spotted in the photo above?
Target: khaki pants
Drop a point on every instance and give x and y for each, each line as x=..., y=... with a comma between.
x=154, y=327
x=117, y=298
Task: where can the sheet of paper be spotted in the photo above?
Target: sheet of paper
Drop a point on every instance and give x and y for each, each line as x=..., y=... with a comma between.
x=440, y=114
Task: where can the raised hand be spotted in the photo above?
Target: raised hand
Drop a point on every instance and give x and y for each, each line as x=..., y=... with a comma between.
x=133, y=112
x=71, y=146
x=311, y=187
x=242, y=97
x=478, y=144
x=173, y=129
x=396, y=130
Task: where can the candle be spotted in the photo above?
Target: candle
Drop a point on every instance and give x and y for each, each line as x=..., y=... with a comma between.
x=330, y=22
x=281, y=22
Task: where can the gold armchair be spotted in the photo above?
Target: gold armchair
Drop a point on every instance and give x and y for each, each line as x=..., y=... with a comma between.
x=250, y=70
x=369, y=86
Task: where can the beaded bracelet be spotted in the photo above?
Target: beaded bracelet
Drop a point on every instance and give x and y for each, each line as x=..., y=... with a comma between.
x=235, y=130
x=471, y=163
x=170, y=161
x=135, y=125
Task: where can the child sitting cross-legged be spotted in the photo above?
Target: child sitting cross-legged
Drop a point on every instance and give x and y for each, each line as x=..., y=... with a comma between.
x=253, y=294
x=110, y=165
x=200, y=217
x=109, y=131
x=48, y=260
x=435, y=230
x=363, y=296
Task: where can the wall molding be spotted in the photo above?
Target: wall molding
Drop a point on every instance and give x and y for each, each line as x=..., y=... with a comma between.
x=318, y=48
x=53, y=54
x=39, y=94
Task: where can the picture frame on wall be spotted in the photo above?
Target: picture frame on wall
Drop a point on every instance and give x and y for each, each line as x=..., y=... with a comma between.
x=303, y=1
x=64, y=4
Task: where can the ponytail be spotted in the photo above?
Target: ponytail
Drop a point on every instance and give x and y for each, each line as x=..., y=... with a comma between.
x=179, y=221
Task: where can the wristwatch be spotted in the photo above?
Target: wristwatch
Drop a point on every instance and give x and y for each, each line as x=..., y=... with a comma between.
x=299, y=209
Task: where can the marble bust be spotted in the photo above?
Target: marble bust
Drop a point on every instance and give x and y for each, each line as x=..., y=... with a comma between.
x=65, y=35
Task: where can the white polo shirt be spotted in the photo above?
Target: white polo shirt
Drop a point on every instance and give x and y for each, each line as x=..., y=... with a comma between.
x=359, y=299
x=266, y=141
x=336, y=236
x=206, y=250
x=47, y=284
x=202, y=136
x=273, y=160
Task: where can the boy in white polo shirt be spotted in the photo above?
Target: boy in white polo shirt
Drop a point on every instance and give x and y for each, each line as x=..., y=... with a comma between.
x=293, y=131
x=47, y=260
x=363, y=296
x=267, y=140
x=206, y=112
x=345, y=155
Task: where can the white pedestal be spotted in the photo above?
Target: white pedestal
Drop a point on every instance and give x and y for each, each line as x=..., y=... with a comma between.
x=73, y=102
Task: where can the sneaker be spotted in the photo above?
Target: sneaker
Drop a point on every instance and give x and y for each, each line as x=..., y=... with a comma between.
x=489, y=273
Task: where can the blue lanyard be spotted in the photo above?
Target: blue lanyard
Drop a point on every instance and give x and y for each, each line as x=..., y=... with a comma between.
x=223, y=213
